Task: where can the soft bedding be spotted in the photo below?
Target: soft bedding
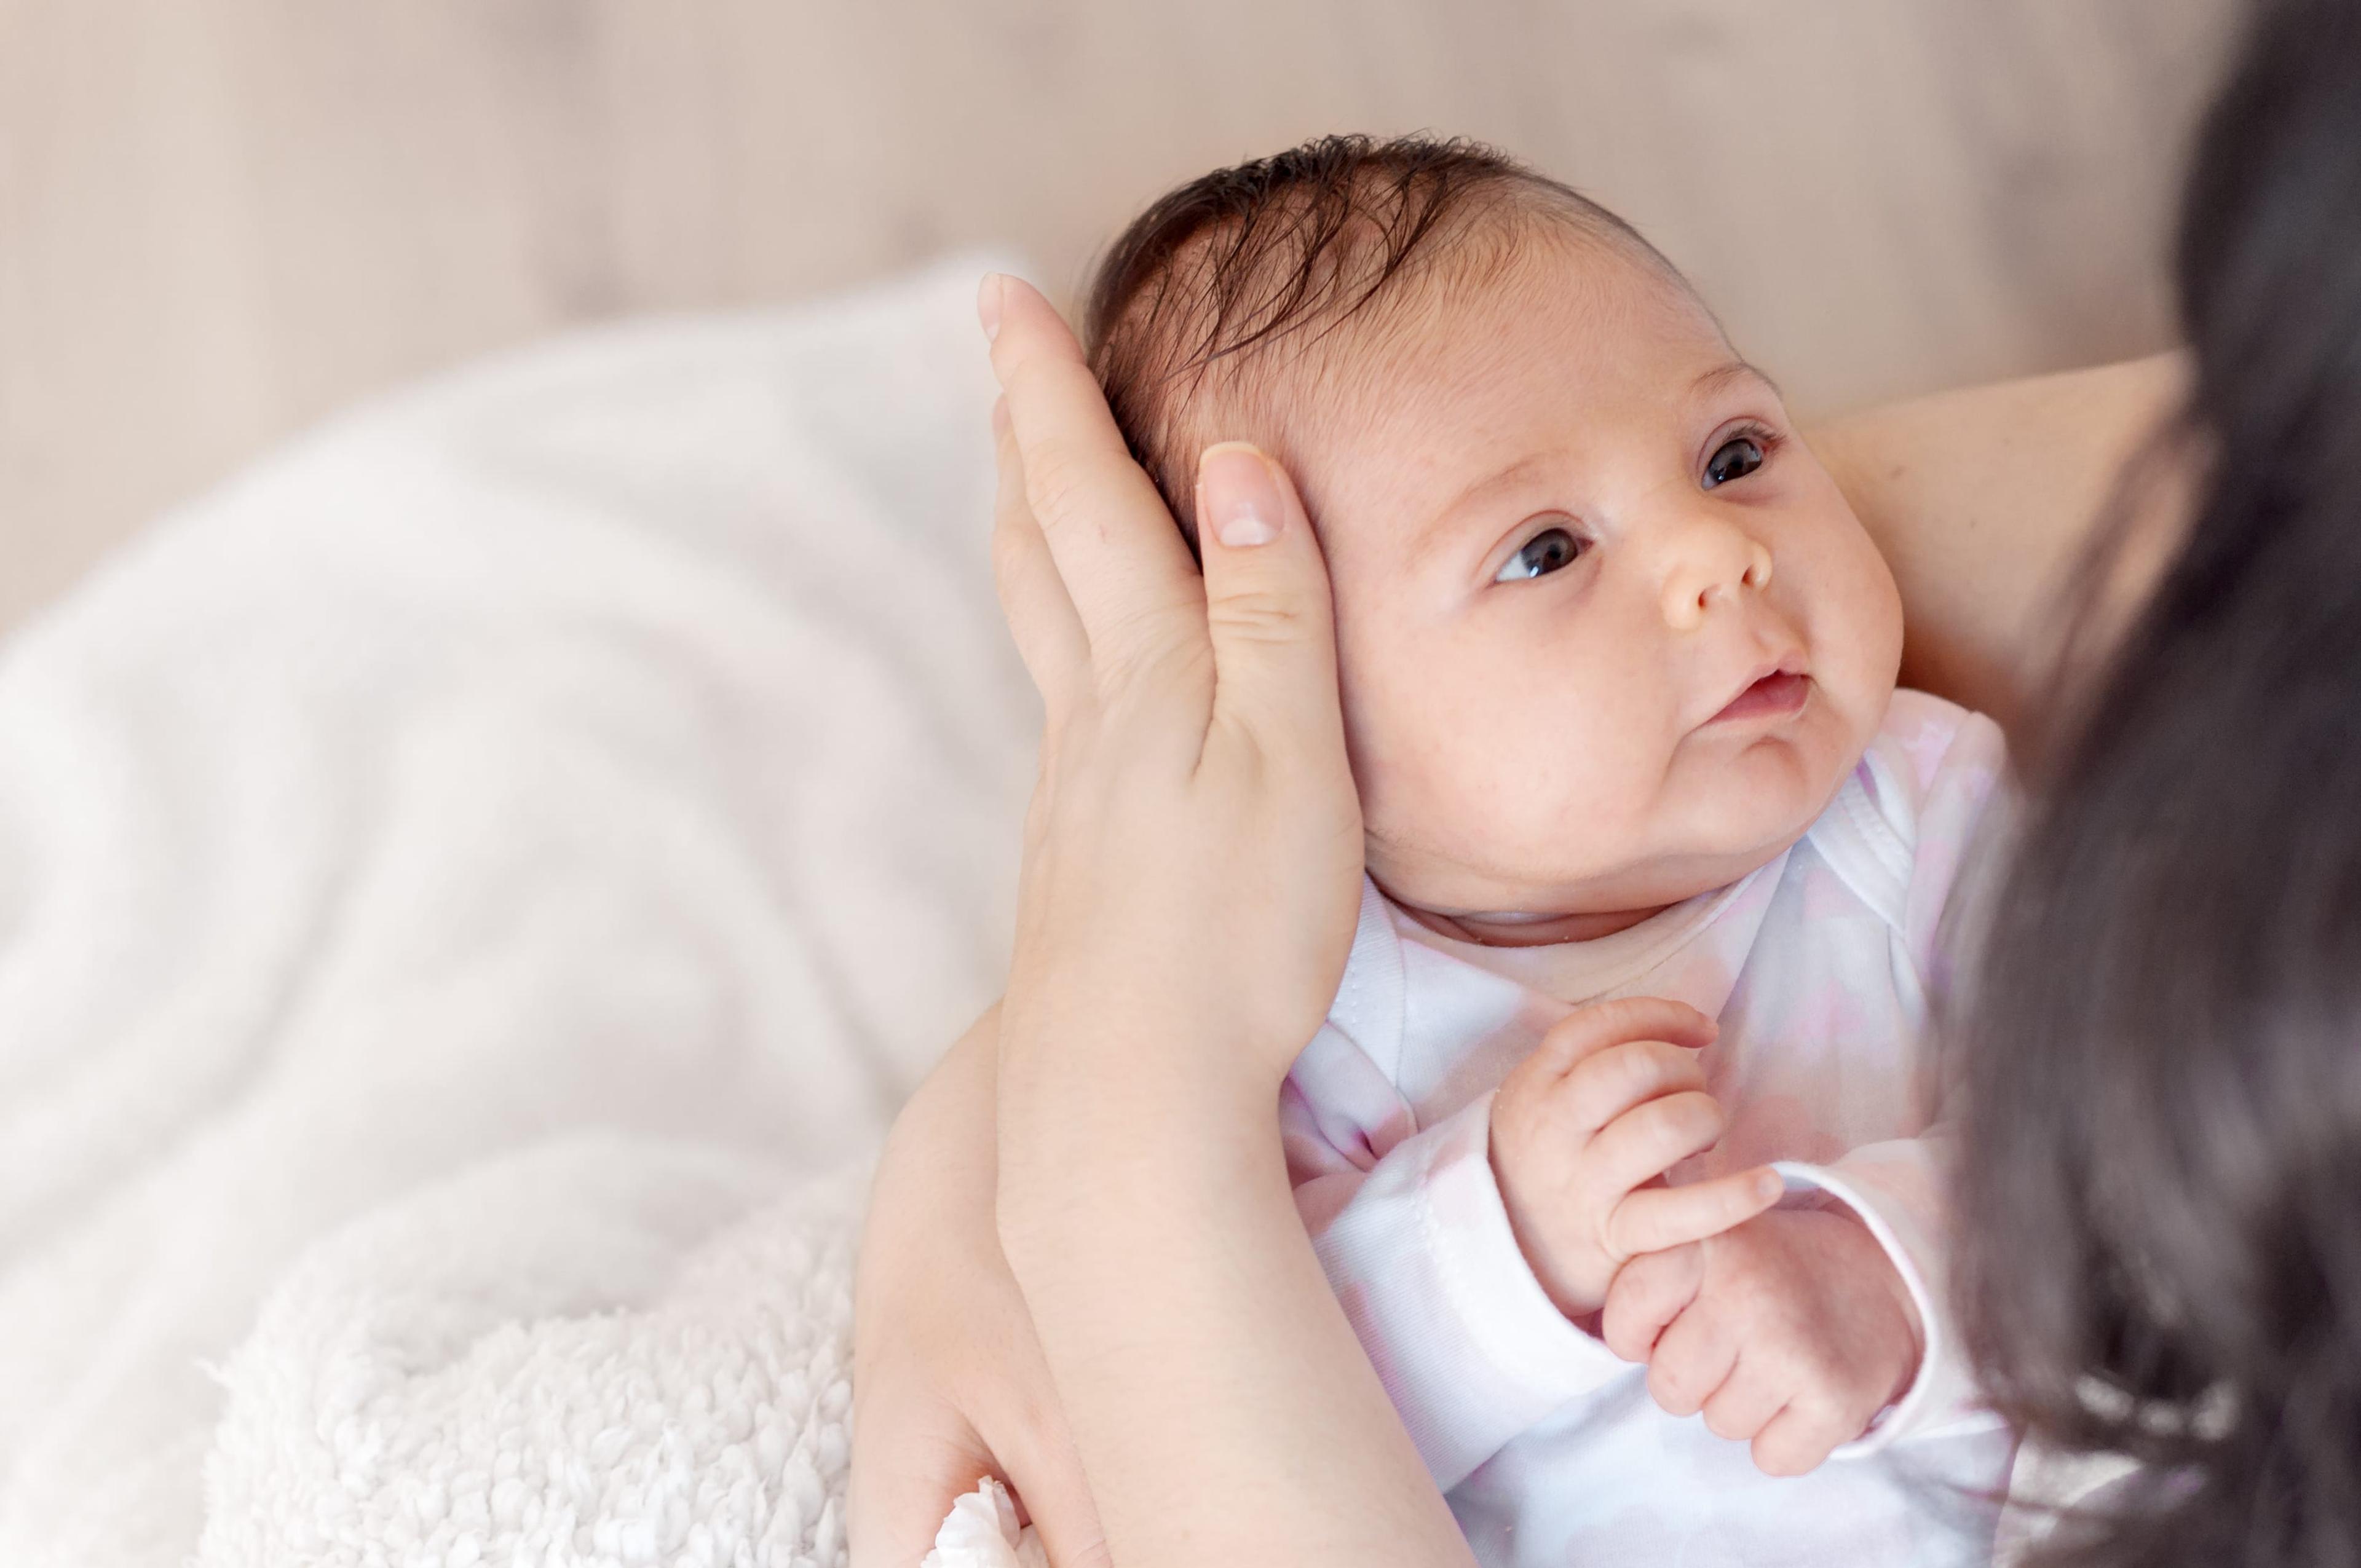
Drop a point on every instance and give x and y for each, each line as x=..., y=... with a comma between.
x=472, y=891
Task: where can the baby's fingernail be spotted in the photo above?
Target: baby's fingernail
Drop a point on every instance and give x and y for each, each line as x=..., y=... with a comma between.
x=1241, y=496
x=987, y=304
x=1769, y=1185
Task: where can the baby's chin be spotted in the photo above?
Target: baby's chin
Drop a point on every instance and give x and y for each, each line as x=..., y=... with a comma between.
x=1714, y=820
x=1529, y=883
x=1470, y=895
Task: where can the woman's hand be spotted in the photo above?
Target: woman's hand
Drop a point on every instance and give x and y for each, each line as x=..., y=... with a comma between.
x=1192, y=873
x=1194, y=852
x=1195, y=820
x=949, y=1384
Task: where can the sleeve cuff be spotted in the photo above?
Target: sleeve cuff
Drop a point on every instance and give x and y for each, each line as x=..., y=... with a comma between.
x=1942, y=1397
x=1471, y=1349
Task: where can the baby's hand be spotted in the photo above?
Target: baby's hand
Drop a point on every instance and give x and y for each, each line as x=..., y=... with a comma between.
x=1790, y=1331
x=1583, y=1132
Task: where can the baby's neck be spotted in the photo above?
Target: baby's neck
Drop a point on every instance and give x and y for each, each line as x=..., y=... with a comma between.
x=1530, y=931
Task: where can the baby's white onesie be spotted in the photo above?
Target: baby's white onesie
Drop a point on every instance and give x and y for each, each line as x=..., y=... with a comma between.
x=1819, y=967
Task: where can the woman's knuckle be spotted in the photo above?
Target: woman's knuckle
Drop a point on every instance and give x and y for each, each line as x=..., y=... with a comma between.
x=1010, y=548
x=1260, y=615
x=1056, y=481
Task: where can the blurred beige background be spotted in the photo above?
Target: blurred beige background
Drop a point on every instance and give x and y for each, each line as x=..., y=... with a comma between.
x=220, y=219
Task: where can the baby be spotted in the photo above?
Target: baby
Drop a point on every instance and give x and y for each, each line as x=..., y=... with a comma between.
x=1657, y=857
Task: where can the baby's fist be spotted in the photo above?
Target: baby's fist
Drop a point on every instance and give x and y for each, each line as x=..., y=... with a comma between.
x=1583, y=1132
x=1790, y=1333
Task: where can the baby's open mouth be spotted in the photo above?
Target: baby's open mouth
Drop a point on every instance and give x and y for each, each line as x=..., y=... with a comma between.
x=1779, y=695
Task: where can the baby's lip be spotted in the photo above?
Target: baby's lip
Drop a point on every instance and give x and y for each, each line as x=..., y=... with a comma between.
x=1776, y=690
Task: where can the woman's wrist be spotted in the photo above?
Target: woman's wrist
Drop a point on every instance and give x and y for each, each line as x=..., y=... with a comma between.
x=1131, y=1112
x=1234, y=1378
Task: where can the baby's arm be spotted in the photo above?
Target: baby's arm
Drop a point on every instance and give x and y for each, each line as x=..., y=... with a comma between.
x=1462, y=1295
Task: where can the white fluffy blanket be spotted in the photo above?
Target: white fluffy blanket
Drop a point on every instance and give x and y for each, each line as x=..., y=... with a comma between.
x=471, y=893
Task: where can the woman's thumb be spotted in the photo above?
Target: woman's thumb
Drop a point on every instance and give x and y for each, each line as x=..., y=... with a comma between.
x=1266, y=603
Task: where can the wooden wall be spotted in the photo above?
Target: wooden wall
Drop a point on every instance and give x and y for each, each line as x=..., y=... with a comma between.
x=220, y=219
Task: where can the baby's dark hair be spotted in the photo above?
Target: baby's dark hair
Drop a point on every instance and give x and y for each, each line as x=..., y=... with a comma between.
x=1220, y=270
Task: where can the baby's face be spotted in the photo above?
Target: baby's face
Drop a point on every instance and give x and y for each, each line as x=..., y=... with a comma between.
x=1609, y=635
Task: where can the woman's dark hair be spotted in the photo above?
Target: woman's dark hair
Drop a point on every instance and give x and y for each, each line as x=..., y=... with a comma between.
x=2159, y=1203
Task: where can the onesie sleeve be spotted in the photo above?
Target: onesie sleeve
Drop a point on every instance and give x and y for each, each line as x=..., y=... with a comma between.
x=1417, y=1247
x=1944, y=777
x=1896, y=1189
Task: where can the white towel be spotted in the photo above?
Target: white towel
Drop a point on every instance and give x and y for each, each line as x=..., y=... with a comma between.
x=981, y=1533
x=461, y=886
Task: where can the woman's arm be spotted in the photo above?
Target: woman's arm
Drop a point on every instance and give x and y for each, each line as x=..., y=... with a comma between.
x=1191, y=880
x=1982, y=500
x=949, y=1384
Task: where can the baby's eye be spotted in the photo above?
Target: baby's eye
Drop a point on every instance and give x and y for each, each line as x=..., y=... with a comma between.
x=1543, y=554
x=1733, y=459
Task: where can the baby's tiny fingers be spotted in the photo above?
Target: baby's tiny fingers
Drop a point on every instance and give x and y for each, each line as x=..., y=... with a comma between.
x=1607, y=1084
x=1595, y=1027
x=1799, y=1439
x=1648, y=1140
x=1647, y=1294
x=1691, y=1362
x=1654, y=1219
x=1743, y=1405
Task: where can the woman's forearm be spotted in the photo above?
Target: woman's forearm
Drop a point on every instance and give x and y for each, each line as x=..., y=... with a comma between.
x=1225, y=1411
x=1982, y=502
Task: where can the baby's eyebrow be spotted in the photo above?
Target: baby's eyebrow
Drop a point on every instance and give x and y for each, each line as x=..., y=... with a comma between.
x=1720, y=376
x=1440, y=526
x=1507, y=479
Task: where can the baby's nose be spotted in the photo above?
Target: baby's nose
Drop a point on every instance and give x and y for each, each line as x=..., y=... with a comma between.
x=1712, y=563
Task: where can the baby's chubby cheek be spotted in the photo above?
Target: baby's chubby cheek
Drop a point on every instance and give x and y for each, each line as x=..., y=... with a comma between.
x=1482, y=800
x=1851, y=611
x=1420, y=813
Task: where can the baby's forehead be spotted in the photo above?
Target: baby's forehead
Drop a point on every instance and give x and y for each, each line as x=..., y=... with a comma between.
x=1460, y=374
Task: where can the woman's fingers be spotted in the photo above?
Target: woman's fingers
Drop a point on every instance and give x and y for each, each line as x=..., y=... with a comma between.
x=1653, y=1219
x=900, y=1493
x=1041, y=617
x=1117, y=549
x=1266, y=608
x=1046, y=1474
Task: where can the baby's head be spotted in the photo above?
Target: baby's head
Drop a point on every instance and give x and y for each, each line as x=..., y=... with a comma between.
x=1609, y=635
